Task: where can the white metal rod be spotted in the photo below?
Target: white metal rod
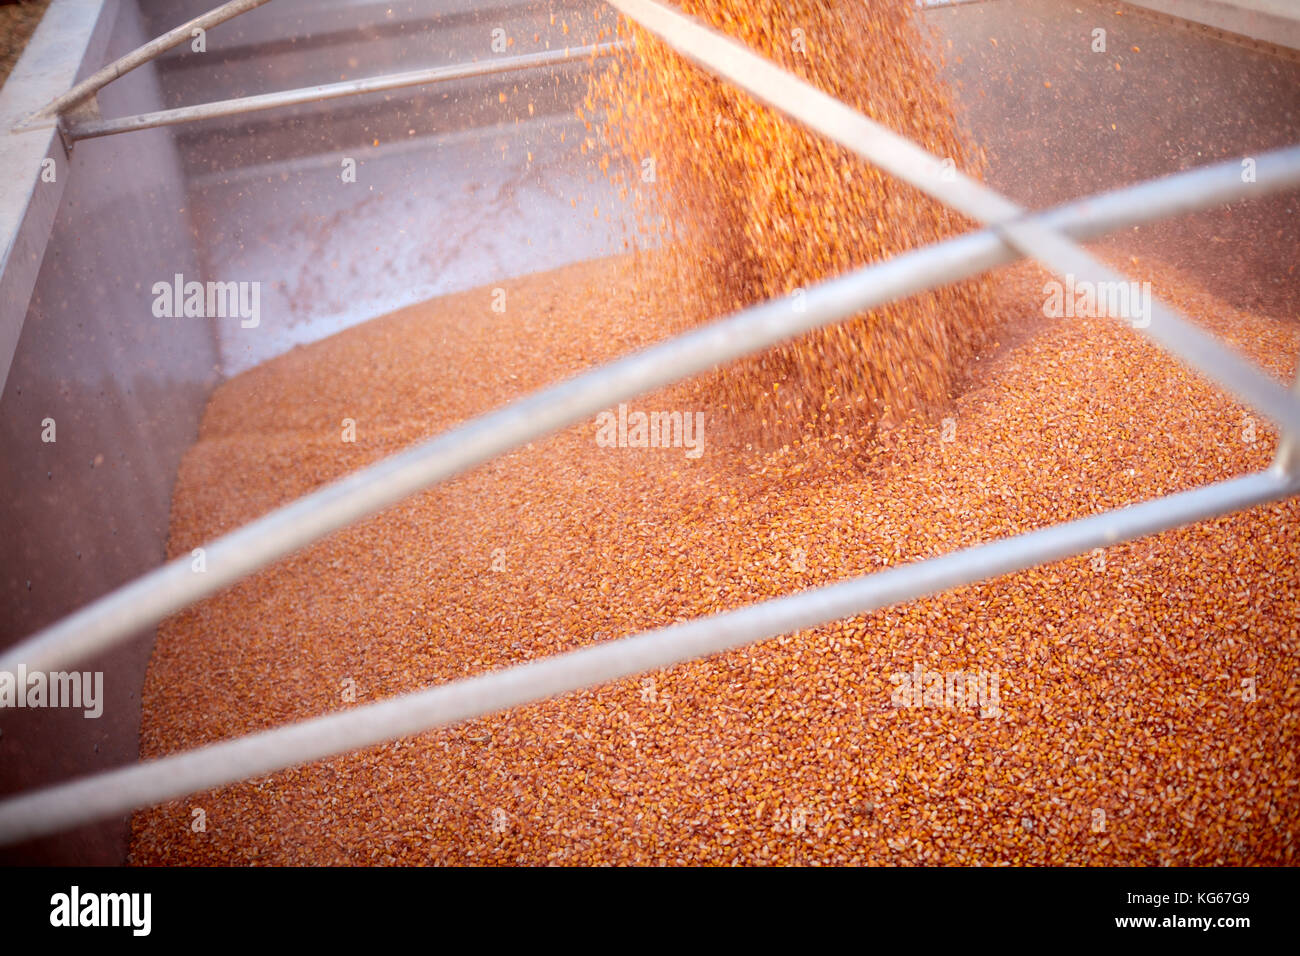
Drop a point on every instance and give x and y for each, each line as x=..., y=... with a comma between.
x=145, y=784
x=329, y=91
x=902, y=158
x=165, y=590
x=142, y=55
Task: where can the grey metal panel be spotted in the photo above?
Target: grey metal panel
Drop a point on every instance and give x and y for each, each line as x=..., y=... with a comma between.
x=1270, y=21
x=71, y=34
x=126, y=390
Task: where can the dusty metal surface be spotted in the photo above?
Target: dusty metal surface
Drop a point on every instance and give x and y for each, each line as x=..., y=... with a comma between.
x=125, y=390
x=1270, y=21
x=28, y=200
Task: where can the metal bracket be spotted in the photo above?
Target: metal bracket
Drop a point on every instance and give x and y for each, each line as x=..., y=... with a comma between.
x=84, y=112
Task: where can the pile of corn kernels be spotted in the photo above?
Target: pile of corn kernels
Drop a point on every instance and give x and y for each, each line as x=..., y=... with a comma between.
x=1135, y=705
x=1145, y=697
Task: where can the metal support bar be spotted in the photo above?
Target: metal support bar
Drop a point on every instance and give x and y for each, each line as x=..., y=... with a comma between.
x=311, y=94
x=142, y=55
x=165, y=590
x=145, y=784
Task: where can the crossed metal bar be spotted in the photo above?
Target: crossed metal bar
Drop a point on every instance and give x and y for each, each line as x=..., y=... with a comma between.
x=1010, y=234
